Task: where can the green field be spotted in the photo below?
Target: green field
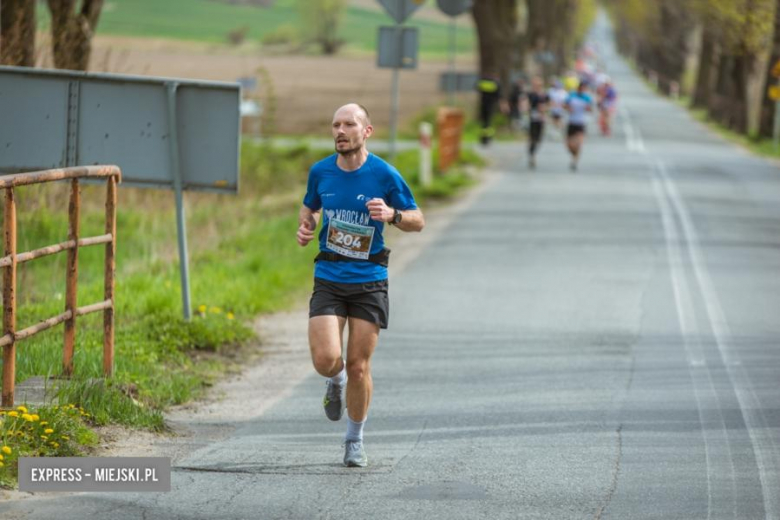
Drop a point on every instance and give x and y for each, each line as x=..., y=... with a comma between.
x=212, y=20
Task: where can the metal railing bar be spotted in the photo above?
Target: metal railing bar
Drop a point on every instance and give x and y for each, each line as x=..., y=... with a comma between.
x=22, y=179
x=50, y=250
x=95, y=307
x=43, y=325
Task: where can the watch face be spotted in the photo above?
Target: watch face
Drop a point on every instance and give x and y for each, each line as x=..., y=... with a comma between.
x=397, y=217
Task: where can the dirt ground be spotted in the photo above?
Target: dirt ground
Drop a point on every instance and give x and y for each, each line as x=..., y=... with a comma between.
x=307, y=89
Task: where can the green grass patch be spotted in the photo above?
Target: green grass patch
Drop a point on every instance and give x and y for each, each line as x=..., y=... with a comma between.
x=215, y=21
x=46, y=431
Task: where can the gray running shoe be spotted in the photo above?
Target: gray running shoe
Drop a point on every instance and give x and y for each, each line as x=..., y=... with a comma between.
x=355, y=455
x=333, y=401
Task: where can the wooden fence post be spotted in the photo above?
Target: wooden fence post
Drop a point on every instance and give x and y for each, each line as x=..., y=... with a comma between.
x=108, y=313
x=9, y=299
x=72, y=277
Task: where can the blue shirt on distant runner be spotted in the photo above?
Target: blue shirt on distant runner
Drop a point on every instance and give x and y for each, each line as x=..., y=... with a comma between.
x=579, y=103
x=347, y=227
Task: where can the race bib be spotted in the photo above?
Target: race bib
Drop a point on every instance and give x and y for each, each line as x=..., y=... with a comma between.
x=352, y=240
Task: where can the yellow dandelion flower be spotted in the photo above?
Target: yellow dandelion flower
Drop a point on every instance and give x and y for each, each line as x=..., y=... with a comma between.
x=1, y=464
x=201, y=309
x=27, y=417
x=13, y=413
x=44, y=423
x=65, y=437
x=55, y=444
x=22, y=409
x=44, y=437
x=230, y=315
x=215, y=310
x=36, y=417
x=6, y=450
x=1, y=456
x=47, y=431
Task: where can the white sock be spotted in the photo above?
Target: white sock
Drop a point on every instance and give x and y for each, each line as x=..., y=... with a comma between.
x=340, y=378
x=354, y=429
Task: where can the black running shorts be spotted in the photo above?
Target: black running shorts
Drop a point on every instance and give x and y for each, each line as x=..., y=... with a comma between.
x=575, y=129
x=535, y=130
x=366, y=301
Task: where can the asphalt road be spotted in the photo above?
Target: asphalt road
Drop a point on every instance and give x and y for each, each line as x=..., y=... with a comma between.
x=599, y=344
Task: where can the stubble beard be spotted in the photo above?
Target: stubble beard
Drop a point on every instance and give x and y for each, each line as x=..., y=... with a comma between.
x=348, y=152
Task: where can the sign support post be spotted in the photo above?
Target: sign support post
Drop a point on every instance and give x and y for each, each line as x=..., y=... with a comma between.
x=399, y=10
x=453, y=50
x=453, y=9
x=396, y=101
x=181, y=224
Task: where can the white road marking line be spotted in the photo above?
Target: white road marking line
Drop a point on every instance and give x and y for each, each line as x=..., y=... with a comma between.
x=760, y=433
x=713, y=432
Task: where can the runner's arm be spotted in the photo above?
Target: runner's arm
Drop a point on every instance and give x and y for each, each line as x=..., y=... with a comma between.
x=307, y=223
x=412, y=220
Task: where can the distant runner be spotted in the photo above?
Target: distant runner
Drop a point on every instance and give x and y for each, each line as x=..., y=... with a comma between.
x=578, y=104
x=607, y=104
x=516, y=95
x=358, y=193
x=557, y=95
x=536, y=103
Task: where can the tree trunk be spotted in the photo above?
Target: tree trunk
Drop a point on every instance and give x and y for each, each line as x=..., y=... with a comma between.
x=704, y=76
x=549, y=33
x=676, y=24
x=496, y=22
x=72, y=32
x=725, y=105
x=743, y=68
x=17, y=32
x=768, y=106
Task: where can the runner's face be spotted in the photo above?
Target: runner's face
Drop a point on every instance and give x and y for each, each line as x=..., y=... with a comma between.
x=349, y=130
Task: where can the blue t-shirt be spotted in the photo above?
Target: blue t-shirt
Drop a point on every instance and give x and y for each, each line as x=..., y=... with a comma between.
x=342, y=197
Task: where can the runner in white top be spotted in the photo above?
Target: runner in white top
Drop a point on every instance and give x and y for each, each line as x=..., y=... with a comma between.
x=558, y=96
x=578, y=104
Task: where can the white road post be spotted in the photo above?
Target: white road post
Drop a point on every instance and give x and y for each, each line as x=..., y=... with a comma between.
x=426, y=168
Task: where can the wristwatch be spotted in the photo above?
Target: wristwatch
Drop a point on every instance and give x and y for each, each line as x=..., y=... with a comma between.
x=397, y=217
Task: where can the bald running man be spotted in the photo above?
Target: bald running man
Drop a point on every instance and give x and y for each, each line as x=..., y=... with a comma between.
x=354, y=193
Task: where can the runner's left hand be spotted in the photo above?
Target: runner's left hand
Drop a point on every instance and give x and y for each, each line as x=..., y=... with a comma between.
x=379, y=210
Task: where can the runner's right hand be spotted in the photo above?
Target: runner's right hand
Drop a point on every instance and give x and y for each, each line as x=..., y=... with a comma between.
x=305, y=233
